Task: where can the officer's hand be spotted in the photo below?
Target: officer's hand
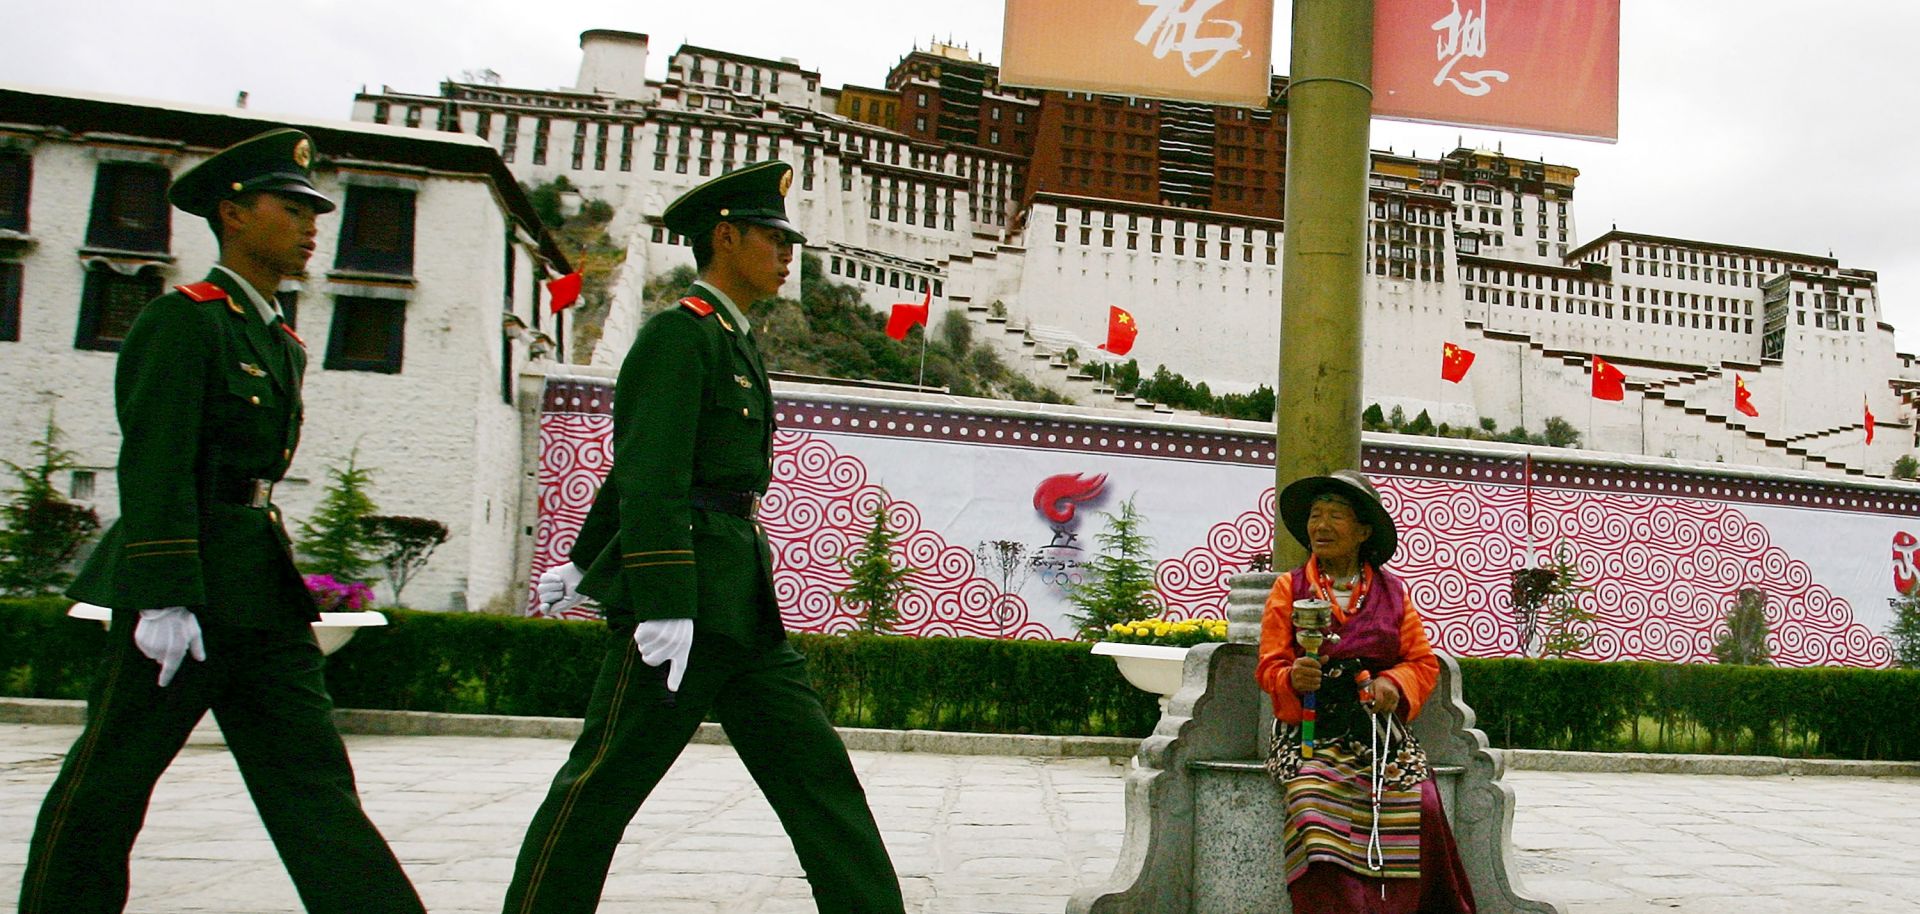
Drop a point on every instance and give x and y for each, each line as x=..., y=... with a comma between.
x=1306, y=675
x=666, y=641
x=556, y=588
x=167, y=636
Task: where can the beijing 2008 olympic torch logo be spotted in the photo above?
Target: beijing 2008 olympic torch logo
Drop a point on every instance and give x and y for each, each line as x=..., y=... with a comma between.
x=1058, y=499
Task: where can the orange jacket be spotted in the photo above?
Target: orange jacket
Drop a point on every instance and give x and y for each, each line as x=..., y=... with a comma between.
x=1415, y=674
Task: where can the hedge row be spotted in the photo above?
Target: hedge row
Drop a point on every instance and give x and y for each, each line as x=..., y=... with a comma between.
x=1827, y=712
x=496, y=665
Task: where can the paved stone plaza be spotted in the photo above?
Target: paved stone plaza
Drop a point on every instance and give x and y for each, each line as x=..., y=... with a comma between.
x=971, y=834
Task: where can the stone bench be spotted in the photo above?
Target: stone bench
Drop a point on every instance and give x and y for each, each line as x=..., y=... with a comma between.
x=1204, y=820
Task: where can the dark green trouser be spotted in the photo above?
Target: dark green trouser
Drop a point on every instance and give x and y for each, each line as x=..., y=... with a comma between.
x=266, y=690
x=776, y=724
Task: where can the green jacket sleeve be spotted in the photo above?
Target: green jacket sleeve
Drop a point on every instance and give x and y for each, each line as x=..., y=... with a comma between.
x=656, y=414
x=600, y=527
x=159, y=386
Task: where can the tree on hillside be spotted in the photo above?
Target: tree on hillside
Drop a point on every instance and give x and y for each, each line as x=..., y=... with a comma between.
x=1561, y=433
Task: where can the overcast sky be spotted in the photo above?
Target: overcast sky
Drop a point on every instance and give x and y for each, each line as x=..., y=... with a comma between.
x=1764, y=123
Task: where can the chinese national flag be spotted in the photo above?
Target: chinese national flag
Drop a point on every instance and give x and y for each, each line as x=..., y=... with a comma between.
x=1454, y=362
x=1608, y=382
x=563, y=292
x=1742, y=397
x=1869, y=412
x=1121, y=331
x=906, y=314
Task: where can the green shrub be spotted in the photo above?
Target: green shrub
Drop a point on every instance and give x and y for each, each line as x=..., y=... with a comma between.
x=470, y=663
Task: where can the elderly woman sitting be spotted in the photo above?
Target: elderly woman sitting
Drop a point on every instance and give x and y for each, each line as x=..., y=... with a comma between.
x=1365, y=831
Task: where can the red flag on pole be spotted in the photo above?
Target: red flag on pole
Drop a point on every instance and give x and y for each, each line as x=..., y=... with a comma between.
x=906, y=314
x=1121, y=331
x=1742, y=397
x=563, y=292
x=1869, y=412
x=1454, y=362
x=1608, y=381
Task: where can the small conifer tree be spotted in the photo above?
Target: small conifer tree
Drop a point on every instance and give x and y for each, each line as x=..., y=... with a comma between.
x=40, y=530
x=877, y=582
x=335, y=541
x=1117, y=586
x=1905, y=631
x=1745, y=641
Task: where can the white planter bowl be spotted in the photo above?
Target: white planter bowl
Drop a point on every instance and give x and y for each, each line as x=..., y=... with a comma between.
x=1152, y=668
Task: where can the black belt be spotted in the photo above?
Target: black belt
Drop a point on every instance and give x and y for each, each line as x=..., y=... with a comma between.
x=250, y=493
x=738, y=504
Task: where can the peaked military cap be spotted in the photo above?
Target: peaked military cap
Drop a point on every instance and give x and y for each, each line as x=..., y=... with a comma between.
x=756, y=194
x=279, y=160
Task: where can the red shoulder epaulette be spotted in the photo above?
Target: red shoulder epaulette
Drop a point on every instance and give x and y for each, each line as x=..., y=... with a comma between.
x=202, y=292
x=697, y=305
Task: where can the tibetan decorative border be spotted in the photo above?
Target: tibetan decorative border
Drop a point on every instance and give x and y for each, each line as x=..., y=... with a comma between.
x=1251, y=449
x=1632, y=480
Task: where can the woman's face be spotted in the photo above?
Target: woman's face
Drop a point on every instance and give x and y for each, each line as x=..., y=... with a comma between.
x=1334, y=532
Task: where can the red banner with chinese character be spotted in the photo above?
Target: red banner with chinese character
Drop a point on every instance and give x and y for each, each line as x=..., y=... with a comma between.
x=1537, y=66
x=1217, y=51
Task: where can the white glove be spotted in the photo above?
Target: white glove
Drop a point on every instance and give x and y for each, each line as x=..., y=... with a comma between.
x=666, y=641
x=556, y=588
x=166, y=636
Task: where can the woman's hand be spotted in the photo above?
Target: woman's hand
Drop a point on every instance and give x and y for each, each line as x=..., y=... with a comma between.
x=1306, y=675
x=1384, y=695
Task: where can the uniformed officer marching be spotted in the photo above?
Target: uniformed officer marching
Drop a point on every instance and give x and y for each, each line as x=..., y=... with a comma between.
x=671, y=549
x=207, y=390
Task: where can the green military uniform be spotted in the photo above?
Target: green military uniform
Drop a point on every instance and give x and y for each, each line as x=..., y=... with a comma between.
x=207, y=392
x=671, y=536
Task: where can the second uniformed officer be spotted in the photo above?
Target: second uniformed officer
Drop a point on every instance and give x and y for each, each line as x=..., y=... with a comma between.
x=207, y=391
x=671, y=549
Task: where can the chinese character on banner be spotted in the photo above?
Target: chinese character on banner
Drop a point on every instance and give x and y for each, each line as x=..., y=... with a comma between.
x=1195, y=50
x=1536, y=66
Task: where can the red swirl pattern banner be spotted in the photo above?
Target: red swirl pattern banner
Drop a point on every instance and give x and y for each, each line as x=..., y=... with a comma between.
x=1664, y=572
x=819, y=508
x=1194, y=586
x=576, y=450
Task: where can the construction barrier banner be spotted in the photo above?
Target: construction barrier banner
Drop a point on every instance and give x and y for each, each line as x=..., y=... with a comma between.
x=1217, y=51
x=1536, y=66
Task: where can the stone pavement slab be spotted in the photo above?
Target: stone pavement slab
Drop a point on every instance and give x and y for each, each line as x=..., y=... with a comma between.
x=970, y=834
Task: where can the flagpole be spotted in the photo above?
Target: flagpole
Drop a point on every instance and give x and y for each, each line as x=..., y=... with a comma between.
x=923, y=356
x=1527, y=474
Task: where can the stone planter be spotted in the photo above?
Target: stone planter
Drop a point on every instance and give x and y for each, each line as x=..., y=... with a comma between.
x=333, y=630
x=1152, y=668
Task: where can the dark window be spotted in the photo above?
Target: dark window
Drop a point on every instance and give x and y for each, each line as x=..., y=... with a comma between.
x=10, y=302
x=109, y=303
x=289, y=301
x=16, y=179
x=376, y=231
x=367, y=334
x=130, y=209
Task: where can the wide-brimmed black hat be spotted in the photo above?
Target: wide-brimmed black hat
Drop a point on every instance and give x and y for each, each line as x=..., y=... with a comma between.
x=1296, y=502
x=756, y=194
x=279, y=160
